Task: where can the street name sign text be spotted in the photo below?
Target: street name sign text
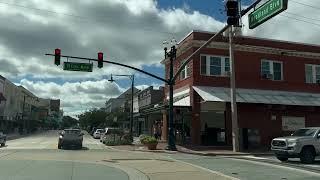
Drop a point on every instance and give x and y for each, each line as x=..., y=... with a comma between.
x=73, y=66
x=266, y=11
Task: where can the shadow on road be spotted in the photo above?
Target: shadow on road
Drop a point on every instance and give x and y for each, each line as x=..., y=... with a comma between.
x=75, y=148
x=297, y=162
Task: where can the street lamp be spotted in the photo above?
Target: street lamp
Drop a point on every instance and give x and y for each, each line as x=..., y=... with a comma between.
x=172, y=54
x=132, y=91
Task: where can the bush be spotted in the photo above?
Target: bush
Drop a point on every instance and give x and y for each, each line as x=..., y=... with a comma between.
x=149, y=140
x=118, y=139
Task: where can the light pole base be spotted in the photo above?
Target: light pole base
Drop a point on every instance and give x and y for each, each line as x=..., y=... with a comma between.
x=171, y=148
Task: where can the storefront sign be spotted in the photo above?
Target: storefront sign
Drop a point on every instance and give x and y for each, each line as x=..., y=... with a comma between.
x=291, y=123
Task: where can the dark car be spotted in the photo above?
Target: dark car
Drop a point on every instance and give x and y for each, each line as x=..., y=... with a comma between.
x=3, y=139
x=70, y=137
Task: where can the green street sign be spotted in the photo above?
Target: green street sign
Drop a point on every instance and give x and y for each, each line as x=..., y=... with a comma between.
x=266, y=11
x=73, y=66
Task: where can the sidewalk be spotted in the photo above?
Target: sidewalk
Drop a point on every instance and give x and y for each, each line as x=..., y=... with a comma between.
x=200, y=150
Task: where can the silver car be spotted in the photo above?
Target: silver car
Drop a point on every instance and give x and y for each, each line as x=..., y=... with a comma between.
x=3, y=139
x=70, y=137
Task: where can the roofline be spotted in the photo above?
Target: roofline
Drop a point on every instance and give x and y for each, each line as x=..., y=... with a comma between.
x=258, y=38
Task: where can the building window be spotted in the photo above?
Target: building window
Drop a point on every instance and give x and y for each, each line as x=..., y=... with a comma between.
x=203, y=69
x=312, y=72
x=271, y=70
x=185, y=73
x=214, y=65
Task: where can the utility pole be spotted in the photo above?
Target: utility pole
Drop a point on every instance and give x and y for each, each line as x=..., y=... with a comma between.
x=234, y=112
x=131, y=115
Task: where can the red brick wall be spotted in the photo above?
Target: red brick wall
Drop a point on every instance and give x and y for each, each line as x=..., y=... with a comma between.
x=248, y=67
x=258, y=116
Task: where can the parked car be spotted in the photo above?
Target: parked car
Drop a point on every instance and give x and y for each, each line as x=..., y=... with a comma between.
x=70, y=137
x=109, y=130
x=3, y=139
x=97, y=133
x=303, y=143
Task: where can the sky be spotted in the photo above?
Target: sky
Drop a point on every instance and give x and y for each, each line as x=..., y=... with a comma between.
x=126, y=31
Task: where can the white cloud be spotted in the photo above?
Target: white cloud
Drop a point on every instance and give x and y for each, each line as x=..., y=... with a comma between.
x=75, y=96
x=285, y=26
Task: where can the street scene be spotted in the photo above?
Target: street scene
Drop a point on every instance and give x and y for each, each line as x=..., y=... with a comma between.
x=160, y=89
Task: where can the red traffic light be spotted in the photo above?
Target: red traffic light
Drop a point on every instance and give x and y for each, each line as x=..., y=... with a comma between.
x=100, y=59
x=100, y=56
x=57, y=56
x=57, y=51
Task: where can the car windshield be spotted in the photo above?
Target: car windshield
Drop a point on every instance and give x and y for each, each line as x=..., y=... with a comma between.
x=304, y=132
x=100, y=131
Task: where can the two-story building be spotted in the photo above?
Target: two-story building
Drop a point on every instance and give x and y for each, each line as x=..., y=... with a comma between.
x=145, y=115
x=277, y=83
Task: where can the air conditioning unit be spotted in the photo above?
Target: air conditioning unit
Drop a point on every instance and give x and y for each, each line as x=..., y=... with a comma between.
x=267, y=76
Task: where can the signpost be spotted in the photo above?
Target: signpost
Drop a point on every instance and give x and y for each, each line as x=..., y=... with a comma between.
x=73, y=66
x=266, y=11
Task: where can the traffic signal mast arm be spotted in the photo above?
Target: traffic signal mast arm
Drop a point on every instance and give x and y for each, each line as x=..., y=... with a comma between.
x=115, y=63
x=212, y=39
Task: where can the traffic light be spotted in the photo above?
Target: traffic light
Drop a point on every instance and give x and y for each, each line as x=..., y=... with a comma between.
x=100, y=59
x=57, y=56
x=232, y=7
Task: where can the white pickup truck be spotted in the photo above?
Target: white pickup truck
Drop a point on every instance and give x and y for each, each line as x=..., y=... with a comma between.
x=303, y=143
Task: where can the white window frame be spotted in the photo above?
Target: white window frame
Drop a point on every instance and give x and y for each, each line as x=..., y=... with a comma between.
x=271, y=68
x=186, y=70
x=314, y=73
x=222, y=69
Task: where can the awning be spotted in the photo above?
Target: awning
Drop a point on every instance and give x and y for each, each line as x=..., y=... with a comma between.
x=221, y=94
x=182, y=102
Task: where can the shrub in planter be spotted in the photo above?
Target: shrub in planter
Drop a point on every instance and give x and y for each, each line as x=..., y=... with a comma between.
x=150, y=141
x=142, y=137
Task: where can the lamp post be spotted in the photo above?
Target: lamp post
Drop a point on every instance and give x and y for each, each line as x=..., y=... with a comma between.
x=132, y=92
x=172, y=55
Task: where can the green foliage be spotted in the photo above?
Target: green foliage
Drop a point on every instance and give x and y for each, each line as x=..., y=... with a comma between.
x=92, y=118
x=118, y=139
x=69, y=122
x=148, y=140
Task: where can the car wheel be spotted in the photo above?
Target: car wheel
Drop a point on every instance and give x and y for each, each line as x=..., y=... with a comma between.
x=3, y=144
x=282, y=158
x=307, y=155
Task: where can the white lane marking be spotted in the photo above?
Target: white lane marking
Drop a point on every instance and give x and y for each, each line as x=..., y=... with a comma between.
x=278, y=166
x=255, y=157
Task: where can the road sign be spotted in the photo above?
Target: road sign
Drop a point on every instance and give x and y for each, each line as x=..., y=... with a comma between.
x=266, y=11
x=73, y=66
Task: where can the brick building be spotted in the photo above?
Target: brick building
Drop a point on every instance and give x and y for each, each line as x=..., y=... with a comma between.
x=278, y=88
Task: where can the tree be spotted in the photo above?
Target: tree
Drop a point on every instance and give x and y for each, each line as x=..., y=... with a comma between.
x=92, y=118
x=69, y=122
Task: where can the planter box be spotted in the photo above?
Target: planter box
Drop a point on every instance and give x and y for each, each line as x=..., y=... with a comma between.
x=152, y=146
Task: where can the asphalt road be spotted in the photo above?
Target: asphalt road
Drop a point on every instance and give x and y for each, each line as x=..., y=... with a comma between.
x=48, y=140
x=250, y=167
x=36, y=158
